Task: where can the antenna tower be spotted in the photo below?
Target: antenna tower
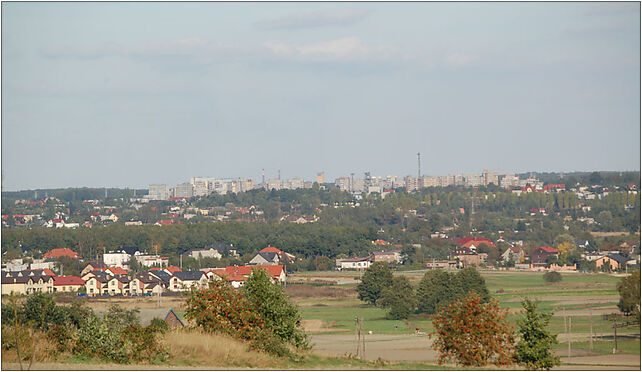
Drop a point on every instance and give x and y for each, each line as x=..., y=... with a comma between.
x=263, y=174
x=279, y=174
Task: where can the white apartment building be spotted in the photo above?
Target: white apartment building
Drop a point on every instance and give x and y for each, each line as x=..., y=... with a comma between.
x=508, y=181
x=343, y=183
x=474, y=180
x=158, y=192
x=184, y=190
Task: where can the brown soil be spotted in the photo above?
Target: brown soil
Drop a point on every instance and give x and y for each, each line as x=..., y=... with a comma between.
x=317, y=325
x=412, y=348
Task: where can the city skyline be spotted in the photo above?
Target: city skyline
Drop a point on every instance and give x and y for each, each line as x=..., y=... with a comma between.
x=229, y=89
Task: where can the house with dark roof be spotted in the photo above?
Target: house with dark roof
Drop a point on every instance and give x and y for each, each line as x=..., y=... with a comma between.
x=515, y=254
x=265, y=258
x=163, y=275
x=610, y=262
x=185, y=280
x=217, y=251
x=25, y=282
x=146, y=283
x=540, y=255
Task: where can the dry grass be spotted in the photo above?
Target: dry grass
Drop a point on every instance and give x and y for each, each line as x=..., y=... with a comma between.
x=306, y=291
x=196, y=348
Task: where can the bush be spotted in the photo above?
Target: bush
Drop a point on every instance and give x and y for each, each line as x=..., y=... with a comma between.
x=473, y=333
x=61, y=337
x=221, y=308
x=267, y=341
x=160, y=325
x=552, y=277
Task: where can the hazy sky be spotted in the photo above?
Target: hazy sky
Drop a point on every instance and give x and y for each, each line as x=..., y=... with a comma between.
x=128, y=94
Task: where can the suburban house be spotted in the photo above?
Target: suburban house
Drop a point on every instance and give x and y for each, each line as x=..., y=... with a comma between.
x=185, y=280
x=118, y=285
x=265, y=258
x=468, y=257
x=93, y=266
x=441, y=264
x=61, y=252
x=474, y=243
x=97, y=284
x=145, y=283
x=387, y=256
x=149, y=260
x=540, y=255
x=611, y=261
x=237, y=275
x=515, y=254
x=214, y=250
x=116, y=271
x=67, y=283
x=357, y=263
x=25, y=282
x=163, y=276
x=271, y=256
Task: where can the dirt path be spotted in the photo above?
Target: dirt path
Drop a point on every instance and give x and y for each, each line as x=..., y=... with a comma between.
x=620, y=360
x=411, y=348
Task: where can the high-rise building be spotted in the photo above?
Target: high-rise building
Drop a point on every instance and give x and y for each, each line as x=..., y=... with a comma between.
x=158, y=192
x=184, y=190
x=412, y=183
x=474, y=180
x=343, y=183
x=321, y=178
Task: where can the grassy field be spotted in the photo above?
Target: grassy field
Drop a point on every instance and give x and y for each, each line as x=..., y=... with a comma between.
x=581, y=297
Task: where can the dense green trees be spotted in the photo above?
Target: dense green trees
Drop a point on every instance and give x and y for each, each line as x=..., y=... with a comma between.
x=376, y=278
x=399, y=297
x=439, y=288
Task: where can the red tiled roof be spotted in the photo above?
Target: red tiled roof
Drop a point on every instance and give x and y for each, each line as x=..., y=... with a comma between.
x=547, y=249
x=118, y=271
x=380, y=242
x=463, y=241
x=60, y=252
x=173, y=269
x=271, y=249
x=68, y=280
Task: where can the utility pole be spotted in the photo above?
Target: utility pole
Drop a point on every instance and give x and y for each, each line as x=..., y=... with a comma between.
x=364, y=340
x=614, y=336
x=569, y=336
x=591, y=338
x=419, y=171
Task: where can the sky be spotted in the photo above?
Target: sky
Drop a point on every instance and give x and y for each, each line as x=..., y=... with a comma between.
x=131, y=94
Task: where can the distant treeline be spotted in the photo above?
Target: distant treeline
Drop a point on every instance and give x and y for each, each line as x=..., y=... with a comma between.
x=301, y=240
x=74, y=194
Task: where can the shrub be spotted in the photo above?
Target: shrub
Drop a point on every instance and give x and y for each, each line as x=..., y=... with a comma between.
x=473, y=333
x=221, y=308
x=534, y=346
x=61, y=337
x=552, y=277
x=267, y=341
x=160, y=325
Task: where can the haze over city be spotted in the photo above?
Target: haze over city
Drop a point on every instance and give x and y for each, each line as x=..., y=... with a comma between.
x=132, y=94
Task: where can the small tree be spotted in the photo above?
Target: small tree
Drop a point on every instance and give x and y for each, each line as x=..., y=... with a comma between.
x=552, y=277
x=437, y=288
x=374, y=280
x=629, y=288
x=534, y=346
x=274, y=306
x=473, y=333
x=399, y=298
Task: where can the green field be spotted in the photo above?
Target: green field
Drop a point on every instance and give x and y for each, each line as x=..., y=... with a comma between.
x=582, y=297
